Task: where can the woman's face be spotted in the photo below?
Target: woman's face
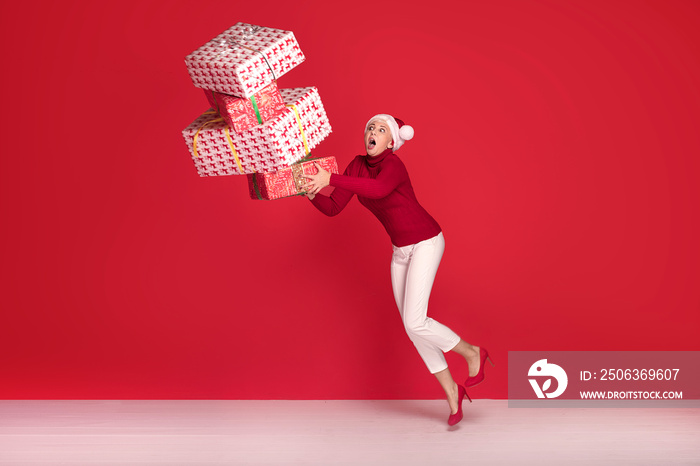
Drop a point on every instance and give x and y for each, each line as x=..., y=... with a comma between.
x=378, y=137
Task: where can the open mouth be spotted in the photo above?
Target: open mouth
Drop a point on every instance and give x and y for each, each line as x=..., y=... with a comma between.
x=371, y=143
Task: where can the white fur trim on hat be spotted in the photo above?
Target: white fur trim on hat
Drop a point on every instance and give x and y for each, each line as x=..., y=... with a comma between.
x=399, y=136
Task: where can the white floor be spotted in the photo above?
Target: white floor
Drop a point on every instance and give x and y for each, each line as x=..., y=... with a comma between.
x=340, y=432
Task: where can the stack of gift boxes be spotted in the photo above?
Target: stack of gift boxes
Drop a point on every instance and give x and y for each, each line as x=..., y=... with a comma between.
x=253, y=128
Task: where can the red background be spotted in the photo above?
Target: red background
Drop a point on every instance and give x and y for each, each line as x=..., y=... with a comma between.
x=556, y=143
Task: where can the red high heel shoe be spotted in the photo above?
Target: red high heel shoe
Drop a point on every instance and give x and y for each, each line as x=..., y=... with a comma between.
x=479, y=377
x=456, y=417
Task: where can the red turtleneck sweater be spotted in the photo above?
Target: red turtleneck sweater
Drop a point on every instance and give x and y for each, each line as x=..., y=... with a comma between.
x=383, y=186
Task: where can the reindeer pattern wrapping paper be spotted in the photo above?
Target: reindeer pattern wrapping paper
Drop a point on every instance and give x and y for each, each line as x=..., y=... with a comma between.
x=275, y=144
x=244, y=59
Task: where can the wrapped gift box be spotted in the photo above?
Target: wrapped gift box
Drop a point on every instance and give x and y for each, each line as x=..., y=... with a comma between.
x=243, y=59
x=275, y=144
x=287, y=181
x=241, y=113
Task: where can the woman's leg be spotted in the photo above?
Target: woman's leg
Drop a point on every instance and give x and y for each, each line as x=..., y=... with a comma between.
x=432, y=356
x=413, y=270
x=471, y=354
x=450, y=386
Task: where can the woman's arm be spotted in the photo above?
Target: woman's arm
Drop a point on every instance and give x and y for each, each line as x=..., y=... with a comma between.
x=332, y=205
x=338, y=199
x=386, y=181
x=393, y=172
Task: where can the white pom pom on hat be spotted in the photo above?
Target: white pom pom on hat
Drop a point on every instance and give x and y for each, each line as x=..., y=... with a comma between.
x=400, y=132
x=405, y=131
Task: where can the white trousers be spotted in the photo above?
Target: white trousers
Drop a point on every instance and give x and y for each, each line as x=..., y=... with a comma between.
x=413, y=270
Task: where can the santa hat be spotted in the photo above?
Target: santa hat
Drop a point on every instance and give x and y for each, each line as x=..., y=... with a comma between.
x=400, y=132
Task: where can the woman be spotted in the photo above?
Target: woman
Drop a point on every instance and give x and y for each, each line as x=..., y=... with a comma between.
x=381, y=183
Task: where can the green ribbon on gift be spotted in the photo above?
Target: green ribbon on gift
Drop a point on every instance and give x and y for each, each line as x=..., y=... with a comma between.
x=255, y=107
x=256, y=188
x=252, y=100
x=307, y=158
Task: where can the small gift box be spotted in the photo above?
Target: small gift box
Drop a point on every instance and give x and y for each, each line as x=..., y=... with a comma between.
x=277, y=143
x=287, y=181
x=241, y=113
x=243, y=59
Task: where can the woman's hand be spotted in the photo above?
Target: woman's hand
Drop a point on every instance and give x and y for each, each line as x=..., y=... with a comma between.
x=318, y=181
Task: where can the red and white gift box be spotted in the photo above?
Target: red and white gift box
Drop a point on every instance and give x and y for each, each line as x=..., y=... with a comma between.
x=241, y=113
x=243, y=59
x=277, y=143
x=288, y=181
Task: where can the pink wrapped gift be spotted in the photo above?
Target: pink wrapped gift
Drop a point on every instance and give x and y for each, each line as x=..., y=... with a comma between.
x=287, y=181
x=241, y=113
x=277, y=143
x=243, y=59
